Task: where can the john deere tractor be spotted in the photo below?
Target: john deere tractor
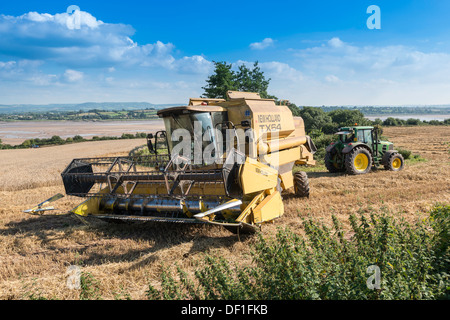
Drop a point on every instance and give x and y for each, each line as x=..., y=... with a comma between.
x=358, y=148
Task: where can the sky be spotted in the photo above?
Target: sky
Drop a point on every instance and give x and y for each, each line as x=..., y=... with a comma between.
x=314, y=52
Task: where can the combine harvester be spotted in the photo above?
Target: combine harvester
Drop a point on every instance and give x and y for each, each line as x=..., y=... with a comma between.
x=230, y=171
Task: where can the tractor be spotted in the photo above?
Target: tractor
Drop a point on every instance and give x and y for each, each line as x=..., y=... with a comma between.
x=358, y=148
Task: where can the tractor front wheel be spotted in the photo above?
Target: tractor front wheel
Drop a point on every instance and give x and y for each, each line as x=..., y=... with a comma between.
x=396, y=162
x=358, y=161
x=301, y=184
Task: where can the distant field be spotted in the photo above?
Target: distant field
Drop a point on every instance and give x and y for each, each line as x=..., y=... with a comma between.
x=35, y=252
x=14, y=133
x=31, y=168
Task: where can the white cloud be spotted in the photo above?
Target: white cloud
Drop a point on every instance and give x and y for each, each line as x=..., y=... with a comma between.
x=339, y=73
x=194, y=64
x=77, y=20
x=331, y=78
x=43, y=79
x=80, y=40
x=335, y=43
x=73, y=75
x=44, y=58
x=267, y=42
x=7, y=65
x=279, y=71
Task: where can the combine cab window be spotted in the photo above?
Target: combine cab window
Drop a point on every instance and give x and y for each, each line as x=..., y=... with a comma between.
x=175, y=122
x=204, y=120
x=200, y=121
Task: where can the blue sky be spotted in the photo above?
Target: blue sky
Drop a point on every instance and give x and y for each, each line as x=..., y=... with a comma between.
x=316, y=53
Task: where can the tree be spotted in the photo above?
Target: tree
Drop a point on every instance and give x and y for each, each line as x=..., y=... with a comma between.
x=345, y=117
x=390, y=122
x=78, y=138
x=56, y=140
x=253, y=81
x=413, y=122
x=225, y=79
x=314, y=118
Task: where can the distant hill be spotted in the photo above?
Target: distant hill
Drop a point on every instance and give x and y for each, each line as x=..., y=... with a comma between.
x=19, y=108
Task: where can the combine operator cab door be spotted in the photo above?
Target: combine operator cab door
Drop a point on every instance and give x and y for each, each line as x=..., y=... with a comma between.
x=193, y=135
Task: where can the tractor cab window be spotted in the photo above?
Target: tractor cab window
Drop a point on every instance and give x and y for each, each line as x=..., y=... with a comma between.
x=346, y=136
x=365, y=136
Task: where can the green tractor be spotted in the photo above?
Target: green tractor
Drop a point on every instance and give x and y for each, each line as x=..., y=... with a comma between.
x=358, y=149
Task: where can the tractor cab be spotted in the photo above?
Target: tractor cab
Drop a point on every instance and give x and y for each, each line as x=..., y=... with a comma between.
x=356, y=134
x=369, y=136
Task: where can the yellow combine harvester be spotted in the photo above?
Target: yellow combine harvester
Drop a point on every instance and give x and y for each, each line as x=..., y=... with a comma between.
x=225, y=162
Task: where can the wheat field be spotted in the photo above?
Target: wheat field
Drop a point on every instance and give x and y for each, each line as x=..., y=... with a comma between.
x=35, y=252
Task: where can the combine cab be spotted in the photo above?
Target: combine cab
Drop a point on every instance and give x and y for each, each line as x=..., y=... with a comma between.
x=221, y=162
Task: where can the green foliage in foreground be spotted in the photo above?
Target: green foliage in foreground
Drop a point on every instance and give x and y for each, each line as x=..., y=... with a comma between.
x=326, y=263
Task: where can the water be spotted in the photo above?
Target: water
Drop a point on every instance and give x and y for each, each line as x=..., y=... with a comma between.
x=422, y=117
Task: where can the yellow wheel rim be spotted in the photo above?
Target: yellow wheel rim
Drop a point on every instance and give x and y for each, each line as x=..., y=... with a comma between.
x=361, y=162
x=396, y=163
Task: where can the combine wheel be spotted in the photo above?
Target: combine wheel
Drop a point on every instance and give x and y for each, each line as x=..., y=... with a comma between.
x=395, y=162
x=301, y=184
x=332, y=167
x=358, y=161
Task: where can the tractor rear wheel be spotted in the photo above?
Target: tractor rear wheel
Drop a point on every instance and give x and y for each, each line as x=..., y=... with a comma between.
x=330, y=163
x=358, y=161
x=396, y=162
x=301, y=184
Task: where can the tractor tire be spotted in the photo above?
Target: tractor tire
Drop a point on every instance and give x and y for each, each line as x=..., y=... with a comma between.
x=358, y=161
x=331, y=166
x=396, y=162
x=301, y=184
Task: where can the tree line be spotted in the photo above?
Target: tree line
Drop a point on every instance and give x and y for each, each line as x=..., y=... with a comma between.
x=328, y=122
x=57, y=141
x=90, y=115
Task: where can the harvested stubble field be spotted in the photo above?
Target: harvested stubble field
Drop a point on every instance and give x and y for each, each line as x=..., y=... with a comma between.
x=122, y=260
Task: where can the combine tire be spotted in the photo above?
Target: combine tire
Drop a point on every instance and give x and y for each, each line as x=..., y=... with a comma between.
x=358, y=161
x=395, y=162
x=332, y=167
x=301, y=184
